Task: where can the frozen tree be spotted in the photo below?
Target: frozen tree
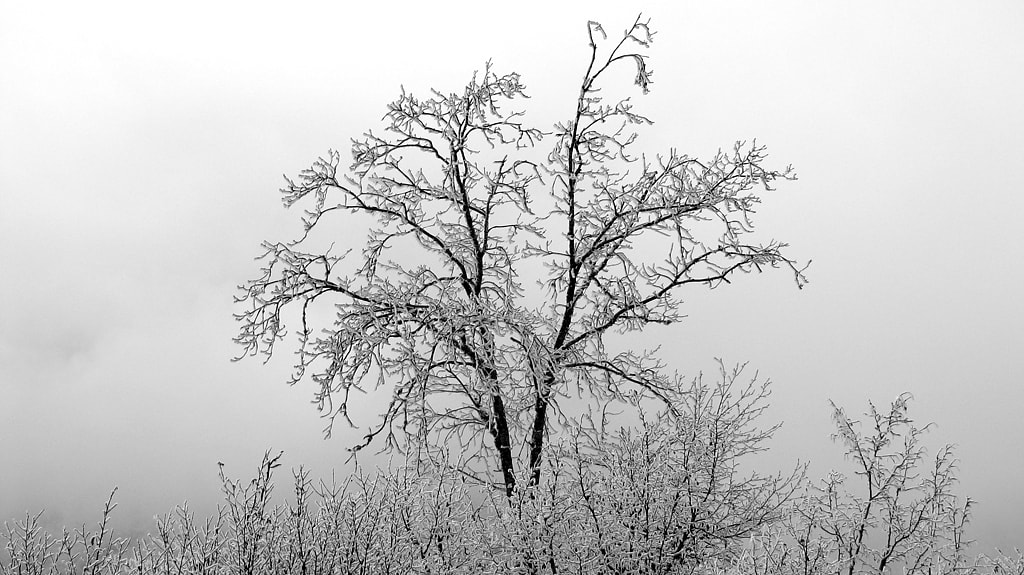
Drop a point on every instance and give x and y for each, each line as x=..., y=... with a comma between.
x=898, y=512
x=486, y=297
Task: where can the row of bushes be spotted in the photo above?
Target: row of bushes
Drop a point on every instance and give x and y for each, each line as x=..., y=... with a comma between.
x=664, y=496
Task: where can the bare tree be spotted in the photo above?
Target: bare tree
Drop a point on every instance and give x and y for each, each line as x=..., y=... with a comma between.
x=438, y=310
x=904, y=514
x=897, y=513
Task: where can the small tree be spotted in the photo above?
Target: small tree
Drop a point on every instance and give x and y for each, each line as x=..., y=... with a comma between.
x=437, y=308
x=897, y=513
x=901, y=513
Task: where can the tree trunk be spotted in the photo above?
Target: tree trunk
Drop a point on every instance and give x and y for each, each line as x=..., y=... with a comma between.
x=540, y=421
x=497, y=423
x=503, y=443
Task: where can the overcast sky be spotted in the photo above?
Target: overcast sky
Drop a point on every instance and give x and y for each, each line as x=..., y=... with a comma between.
x=142, y=146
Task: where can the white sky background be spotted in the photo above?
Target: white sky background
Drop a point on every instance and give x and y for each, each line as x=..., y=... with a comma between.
x=141, y=149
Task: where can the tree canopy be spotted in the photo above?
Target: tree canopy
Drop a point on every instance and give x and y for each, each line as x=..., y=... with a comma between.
x=486, y=291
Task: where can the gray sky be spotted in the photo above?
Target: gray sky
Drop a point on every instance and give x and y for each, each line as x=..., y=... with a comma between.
x=141, y=148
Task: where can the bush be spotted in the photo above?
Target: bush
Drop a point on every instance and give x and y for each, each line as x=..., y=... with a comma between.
x=662, y=496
